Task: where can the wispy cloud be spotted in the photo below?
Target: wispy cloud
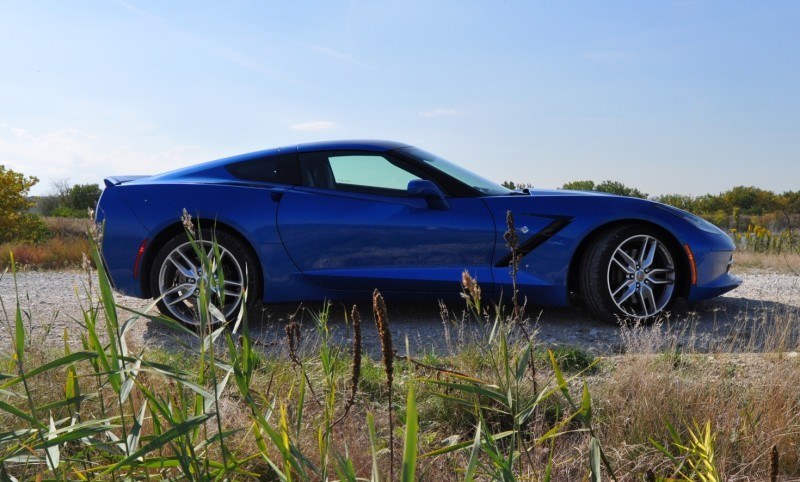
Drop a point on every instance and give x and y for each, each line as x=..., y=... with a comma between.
x=335, y=54
x=439, y=113
x=82, y=157
x=313, y=126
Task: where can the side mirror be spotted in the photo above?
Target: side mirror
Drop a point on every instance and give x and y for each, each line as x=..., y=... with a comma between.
x=430, y=191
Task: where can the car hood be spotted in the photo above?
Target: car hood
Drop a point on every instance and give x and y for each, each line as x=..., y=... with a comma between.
x=567, y=192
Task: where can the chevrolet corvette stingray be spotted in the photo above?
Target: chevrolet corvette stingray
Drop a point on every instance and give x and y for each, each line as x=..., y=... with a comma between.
x=336, y=220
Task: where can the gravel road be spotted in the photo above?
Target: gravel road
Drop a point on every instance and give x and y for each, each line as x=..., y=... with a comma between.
x=51, y=302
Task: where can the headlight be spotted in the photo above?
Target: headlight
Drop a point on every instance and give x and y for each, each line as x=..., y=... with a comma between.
x=702, y=224
x=695, y=221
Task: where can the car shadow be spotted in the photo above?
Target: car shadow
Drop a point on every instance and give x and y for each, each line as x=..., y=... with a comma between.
x=724, y=324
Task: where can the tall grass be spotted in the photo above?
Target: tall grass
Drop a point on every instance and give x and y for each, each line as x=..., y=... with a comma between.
x=759, y=239
x=121, y=414
x=217, y=407
x=64, y=247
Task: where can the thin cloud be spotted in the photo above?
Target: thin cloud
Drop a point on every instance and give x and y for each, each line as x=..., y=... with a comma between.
x=439, y=113
x=313, y=126
x=82, y=157
x=335, y=54
x=221, y=51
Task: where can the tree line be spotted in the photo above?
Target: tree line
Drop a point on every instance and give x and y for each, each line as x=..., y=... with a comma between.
x=734, y=208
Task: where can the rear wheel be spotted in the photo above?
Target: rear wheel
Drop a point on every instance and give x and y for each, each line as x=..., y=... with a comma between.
x=177, y=275
x=629, y=272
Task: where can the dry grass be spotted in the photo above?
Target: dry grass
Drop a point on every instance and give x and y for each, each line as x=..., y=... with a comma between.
x=67, y=227
x=788, y=263
x=55, y=253
x=752, y=402
x=746, y=387
x=64, y=249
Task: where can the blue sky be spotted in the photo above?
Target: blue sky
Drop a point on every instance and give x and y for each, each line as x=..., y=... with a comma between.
x=687, y=97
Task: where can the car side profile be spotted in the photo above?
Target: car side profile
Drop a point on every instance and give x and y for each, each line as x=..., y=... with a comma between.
x=336, y=220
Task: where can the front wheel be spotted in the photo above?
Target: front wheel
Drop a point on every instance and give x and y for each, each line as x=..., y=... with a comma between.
x=629, y=272
x=177, y=276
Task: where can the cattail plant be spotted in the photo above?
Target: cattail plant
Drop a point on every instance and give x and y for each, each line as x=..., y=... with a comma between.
x=471, y=292
x=382, y=322
x=773, y=464
x=355, y=373
x=292, y=330
x=512, y=241
x=293, y=336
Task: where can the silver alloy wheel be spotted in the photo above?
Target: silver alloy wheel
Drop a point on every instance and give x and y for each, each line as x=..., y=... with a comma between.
x=641, y=276
x=181, y=275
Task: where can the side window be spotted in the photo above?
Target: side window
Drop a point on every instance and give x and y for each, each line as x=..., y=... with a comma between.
x=280, y=169
x=356, y=172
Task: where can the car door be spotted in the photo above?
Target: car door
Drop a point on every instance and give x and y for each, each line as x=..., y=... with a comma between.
x=353, y=226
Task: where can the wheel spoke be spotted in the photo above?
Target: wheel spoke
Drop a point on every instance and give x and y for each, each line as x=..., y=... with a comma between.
x=624, y=268
x=647, y=297
x=627, y=294
x=233, y=288
x=661, y=281
x=647, y=260
x=630, y=263
x=187, y=272
x=621, y=287
x=642, y=251
x=190, y=289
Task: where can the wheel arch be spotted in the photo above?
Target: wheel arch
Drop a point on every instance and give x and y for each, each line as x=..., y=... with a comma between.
x=684, y=281
x=169, y=232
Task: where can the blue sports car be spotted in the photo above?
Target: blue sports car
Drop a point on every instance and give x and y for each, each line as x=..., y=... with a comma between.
x=335, y=220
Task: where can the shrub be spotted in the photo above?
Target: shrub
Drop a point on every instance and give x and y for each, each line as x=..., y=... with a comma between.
x=16, y=220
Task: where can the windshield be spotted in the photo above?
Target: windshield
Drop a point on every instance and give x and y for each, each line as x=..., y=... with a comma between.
x=484, y=186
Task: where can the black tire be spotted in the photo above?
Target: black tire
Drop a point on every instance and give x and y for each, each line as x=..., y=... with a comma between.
x=176, y=286
x=629, y=272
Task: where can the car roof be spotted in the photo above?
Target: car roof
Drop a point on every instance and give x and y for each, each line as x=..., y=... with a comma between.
x=215, y=169
x=356, y=145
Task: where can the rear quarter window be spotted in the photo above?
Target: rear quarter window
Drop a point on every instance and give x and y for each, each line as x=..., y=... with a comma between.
x=280, y=169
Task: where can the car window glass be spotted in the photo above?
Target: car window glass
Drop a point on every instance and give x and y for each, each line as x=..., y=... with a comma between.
x=369, y=171
x=281, y=169
x=354, y=172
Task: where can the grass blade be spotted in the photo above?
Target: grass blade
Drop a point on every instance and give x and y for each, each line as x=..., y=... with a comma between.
x=594, y=460
x=373, y=447
x=473, y=456
x=412, y=430
x=174, y=432
x=53, y=451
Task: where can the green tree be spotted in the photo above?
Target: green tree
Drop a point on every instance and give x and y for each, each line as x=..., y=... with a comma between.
x=84, y=196
x=611, y=187
x=680, y=201
x=751, y=200
x=516, y=185
x=16, y=220
x=579, y=186
x=614, y=187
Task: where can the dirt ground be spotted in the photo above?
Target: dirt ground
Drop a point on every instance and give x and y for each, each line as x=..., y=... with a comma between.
x=51, y=303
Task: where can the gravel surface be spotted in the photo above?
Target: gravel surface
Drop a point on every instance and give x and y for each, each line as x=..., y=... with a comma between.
x=51, y=303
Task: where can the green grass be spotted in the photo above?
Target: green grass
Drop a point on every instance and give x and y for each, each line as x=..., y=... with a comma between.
x=501, y=407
